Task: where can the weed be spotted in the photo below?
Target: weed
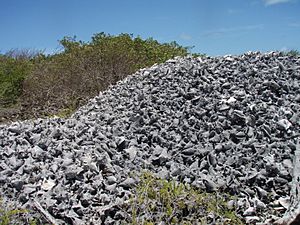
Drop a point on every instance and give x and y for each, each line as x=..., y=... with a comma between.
x=293, y=52
x=157, y=200
x=14, y=216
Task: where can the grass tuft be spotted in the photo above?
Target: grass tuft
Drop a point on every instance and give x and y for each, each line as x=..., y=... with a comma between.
x=10, y=215
x=156, y=200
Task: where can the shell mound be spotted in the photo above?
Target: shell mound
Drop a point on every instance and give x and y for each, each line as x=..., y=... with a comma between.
x=228, y=123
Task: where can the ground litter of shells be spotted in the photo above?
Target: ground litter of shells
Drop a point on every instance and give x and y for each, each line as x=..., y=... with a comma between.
x=227, y=124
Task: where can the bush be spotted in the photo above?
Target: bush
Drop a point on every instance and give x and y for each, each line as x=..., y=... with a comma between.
x=47, y=85
x=12, y=73
x=65, y=81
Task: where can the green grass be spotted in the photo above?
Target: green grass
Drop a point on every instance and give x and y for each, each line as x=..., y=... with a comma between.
x=157, y=200
x=293, y=52
x=9, y=215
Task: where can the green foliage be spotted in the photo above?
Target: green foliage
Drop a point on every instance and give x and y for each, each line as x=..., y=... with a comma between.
x=12, y=73
x=83, y=69
x=13, y=216
x=60, y=83
x=157, y=200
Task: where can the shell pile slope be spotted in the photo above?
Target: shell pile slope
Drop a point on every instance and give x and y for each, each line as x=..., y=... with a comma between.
x=229, y=123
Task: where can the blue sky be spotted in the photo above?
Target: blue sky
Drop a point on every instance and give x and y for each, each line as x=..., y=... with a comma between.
x=214, y=27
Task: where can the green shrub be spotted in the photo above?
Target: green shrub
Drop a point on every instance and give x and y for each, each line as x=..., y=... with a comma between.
x=156, y=200
x=83, y=69
x=58, y=84
x=12, y=73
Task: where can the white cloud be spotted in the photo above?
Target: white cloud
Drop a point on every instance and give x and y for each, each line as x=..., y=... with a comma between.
x=184, y=36
x=230, y=30
x=274, y=2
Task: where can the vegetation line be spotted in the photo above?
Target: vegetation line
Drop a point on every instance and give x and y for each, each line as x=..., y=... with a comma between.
x=33, y=84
